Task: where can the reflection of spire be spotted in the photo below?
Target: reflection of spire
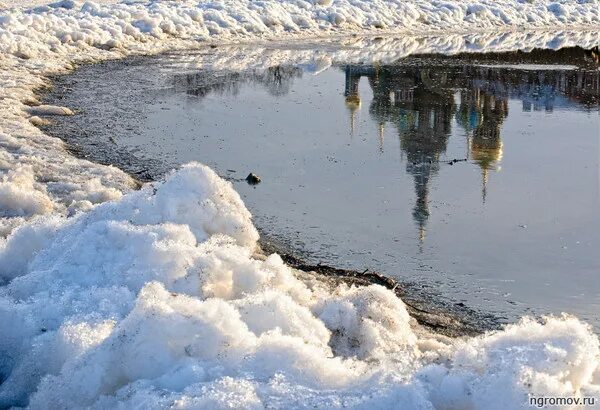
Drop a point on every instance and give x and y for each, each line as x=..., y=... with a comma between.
x=353, y=104
x=486, y=143
x=484, y=180
x=351, y=94
x=421, y=209
x=419, y=105
x=381, y=136
x=422, y=233
x=381, y=103
x=423, y=114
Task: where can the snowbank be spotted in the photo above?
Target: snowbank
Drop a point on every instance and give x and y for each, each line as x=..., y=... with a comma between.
x=315, y=56
x=156, y=300
x=113, y=298
x=7, y=4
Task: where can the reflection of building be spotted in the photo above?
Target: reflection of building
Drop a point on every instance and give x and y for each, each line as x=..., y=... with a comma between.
x=419, y=102
x=481, y=115
x=425, y=113
x=352, y=95
x=422, y=99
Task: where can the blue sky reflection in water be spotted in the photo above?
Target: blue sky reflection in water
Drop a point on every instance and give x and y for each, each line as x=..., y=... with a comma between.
x=476, y=179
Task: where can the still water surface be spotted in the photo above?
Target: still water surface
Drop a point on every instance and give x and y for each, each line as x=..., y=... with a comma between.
x=477, y=177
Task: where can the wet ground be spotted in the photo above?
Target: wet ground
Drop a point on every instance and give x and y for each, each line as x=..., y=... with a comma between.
x=472, y=177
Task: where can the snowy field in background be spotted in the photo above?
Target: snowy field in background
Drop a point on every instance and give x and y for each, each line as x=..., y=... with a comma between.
x=6, y=4
x=113, y=296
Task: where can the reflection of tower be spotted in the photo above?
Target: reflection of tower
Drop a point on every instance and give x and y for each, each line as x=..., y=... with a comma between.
x=481, y=114
x=469, y=112
x=424, y=108
x=422, y=174
x=419, y=103
x=486, y=143
x=351, y=93
x=421, y=107
x=424, y=141
x=381, y=103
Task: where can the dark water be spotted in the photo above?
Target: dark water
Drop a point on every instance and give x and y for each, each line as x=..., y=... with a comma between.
x=476, y=176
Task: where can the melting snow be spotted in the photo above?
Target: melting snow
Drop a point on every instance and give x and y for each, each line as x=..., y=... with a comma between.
x=117, y=298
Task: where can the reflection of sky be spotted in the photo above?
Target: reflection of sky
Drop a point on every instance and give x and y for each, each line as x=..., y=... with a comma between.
x=420, y=102
x=355, y=201
x=469, y=220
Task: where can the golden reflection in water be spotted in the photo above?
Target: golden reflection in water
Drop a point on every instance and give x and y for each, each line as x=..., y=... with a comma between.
x=487, y=152
x=351, y=93
x=485, y=114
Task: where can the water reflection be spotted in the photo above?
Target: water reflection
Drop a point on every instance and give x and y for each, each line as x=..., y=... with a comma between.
x=421, y=108
x=276, y=80
x=485, y=142
x=422, y=102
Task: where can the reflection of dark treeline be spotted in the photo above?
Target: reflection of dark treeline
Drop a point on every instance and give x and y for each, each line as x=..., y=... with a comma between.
x=538, y=89
x=568, y=55
x=276, y=80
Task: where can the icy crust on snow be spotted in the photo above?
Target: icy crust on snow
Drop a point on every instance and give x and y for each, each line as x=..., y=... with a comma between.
x=317, y=55
x=7, y=4
x=156, y=300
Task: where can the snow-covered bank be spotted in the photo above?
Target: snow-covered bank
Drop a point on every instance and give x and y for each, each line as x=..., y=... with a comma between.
x=156, y=299
x=317, y=55
x=7, y=4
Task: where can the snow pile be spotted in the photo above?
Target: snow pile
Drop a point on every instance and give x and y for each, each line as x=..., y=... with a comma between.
x=156, y=300
x=6, y=4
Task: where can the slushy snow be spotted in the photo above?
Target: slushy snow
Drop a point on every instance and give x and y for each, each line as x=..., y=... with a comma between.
x=112, y=297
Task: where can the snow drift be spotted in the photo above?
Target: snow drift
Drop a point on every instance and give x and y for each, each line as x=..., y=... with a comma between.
x=116, y=298
x=156, y=300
